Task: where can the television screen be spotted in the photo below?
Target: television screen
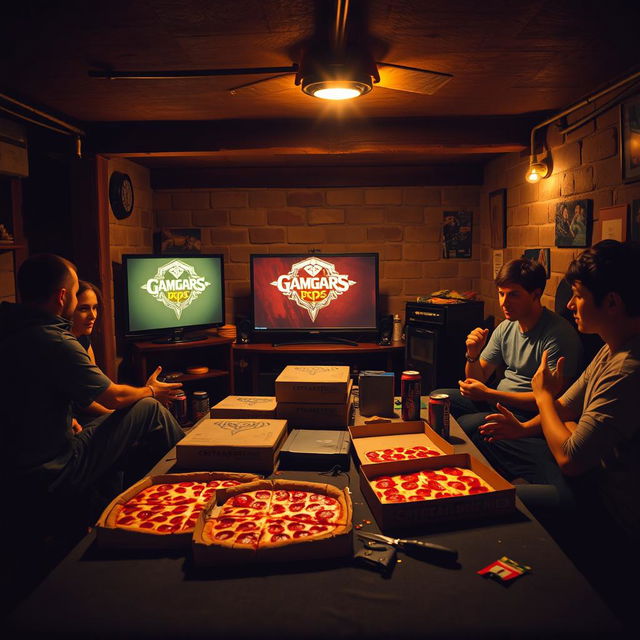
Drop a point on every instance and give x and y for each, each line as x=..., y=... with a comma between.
x=315, y=292
x=171, y=293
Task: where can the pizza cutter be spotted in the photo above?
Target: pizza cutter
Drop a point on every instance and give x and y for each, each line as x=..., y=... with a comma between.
x=416, y=548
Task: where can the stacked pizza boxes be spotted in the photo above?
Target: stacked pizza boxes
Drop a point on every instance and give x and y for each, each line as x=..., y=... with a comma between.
x=410, y=476
x=314, y=397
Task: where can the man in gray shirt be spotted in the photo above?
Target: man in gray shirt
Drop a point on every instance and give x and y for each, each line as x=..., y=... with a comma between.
x=516, y=346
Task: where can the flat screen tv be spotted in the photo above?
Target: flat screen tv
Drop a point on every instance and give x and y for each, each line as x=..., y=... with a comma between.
x=330, y=297
x=168, y=295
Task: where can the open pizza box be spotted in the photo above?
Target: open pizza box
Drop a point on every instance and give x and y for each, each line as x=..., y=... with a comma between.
x=336, y=544
x=110, y=536
x=499, y=500
x=375, y=443
x=238, y=444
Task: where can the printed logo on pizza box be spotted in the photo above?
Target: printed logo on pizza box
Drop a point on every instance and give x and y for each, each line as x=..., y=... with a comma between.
x=176, y=285
x=313, y=284
x=239, y=426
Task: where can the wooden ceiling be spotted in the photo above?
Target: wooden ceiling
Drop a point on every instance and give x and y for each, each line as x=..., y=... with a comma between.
x=513, y=63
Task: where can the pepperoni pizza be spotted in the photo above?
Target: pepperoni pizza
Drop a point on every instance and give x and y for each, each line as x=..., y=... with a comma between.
x=448, y=482
x=171, y=506
x=270, y=514
x=402, y=453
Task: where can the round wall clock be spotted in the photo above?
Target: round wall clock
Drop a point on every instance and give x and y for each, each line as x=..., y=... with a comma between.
x=121, y=195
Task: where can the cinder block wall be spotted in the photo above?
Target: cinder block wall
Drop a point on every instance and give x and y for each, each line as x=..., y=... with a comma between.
x=402, y=224
x=586, y=164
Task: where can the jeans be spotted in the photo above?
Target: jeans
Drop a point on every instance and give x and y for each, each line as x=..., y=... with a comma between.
x=129, y=441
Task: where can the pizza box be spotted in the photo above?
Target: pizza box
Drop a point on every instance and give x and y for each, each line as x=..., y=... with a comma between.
x=242, y=444
x=112, y=537
x=311, y=414
x=245, y=407
x=324, y=384
x=337, y=545
x=316, y=449
x=413, y=515
x=392, y=435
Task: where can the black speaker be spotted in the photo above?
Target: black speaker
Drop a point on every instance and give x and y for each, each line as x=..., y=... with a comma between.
x=385, y=329
x=243, y=330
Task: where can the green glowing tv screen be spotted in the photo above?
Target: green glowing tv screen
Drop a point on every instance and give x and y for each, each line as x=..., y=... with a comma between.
x=170, y=293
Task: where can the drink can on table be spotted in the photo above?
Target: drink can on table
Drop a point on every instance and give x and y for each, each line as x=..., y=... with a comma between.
x=410, y=388
x=179, y=408
x=199, y=405
x=439, y=404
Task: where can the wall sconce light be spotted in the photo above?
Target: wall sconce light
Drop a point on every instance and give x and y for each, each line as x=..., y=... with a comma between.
x=537, y=170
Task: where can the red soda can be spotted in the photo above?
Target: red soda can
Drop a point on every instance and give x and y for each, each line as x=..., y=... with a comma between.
x=439, y=404
x=179, y=408
x=410, y=384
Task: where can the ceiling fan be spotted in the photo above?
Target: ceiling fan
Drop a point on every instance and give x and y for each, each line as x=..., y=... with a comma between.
x=335, y=63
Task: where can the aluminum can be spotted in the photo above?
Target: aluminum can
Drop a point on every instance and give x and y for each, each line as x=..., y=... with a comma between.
x=439, y=407
x=199, y=405
x=410, y=388
x=178, y=408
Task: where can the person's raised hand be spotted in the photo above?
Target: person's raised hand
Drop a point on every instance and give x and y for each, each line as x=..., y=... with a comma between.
x=545, y=380
x=473, y=389
x=475, y=342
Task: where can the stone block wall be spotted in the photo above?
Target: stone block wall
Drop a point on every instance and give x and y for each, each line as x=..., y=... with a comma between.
x=402, y=224
x=586, y=165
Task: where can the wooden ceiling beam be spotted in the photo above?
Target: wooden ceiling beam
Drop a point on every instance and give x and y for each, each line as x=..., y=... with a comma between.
x=477, y=135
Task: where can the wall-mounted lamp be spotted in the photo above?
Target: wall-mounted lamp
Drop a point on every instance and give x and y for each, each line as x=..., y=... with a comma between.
x=537, y=170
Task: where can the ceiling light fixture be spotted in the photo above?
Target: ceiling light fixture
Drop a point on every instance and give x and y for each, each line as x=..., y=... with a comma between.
x=336, y=89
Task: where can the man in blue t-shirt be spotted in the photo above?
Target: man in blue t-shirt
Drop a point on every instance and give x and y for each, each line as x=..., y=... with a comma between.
x=516, y=346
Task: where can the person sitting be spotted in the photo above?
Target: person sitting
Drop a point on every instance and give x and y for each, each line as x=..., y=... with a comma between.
x=592, y=430
x=45, y=370
x=516, y=345
x=82, y=325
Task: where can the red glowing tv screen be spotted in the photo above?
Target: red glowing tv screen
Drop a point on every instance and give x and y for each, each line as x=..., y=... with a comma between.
x=315, y=292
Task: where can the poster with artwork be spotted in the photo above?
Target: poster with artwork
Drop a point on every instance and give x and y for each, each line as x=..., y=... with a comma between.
x=543, y=256
x=573, y=223
x=457, y=227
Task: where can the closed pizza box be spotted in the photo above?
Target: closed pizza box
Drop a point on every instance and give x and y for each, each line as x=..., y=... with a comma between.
x=316, y=414
x=337, y=544
x=242, y=444
x=245, y=407
x=418, y=515
x=109, y=536
x=386, y=441
x=324, y=384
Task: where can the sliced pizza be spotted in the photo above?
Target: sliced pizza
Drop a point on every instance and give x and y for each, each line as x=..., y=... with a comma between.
x=402, y=453
x=448, y=482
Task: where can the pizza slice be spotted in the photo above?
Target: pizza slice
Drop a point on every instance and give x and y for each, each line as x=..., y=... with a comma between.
x=402, y=453
x=248, y=504
x=156, y=518
x=170, y=493
x=235, y=533
x=278, y=532
x=308, y=502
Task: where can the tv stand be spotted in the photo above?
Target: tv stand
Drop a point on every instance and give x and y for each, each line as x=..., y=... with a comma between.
x=288, y=343
x=261, y=361
x=178, y=337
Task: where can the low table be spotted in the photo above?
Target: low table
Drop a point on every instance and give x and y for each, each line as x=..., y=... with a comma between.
x=95, y=593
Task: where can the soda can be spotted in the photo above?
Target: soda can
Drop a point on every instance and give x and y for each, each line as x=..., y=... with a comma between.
x=178, y=408
x=199, y=405
x=410, y=384
x=439, y=405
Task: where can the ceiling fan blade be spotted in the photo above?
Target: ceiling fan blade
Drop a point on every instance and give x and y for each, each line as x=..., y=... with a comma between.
x=111, y=74
x=263, y=86
x=395, y=76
